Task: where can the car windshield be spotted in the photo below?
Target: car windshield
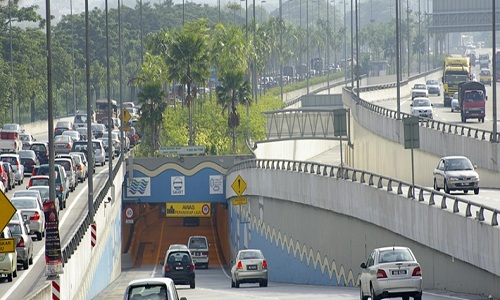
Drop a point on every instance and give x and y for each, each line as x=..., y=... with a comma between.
x=80, y=118
x=197, y=243
x=250, y=255
x=456, y=164
x=419, y=86
x=25, y=154
x=10, y=159
x=24, y=137
x=23, y=203
x=66, y=164
x=421, y=102
x=432, y=82
x=98, y=127
x=474, y=96
x=38, y=147
x=395, y=255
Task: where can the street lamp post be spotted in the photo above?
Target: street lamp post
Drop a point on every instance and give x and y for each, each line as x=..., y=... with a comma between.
x=261, y=8
x=494, y=138
x=307, y=43
x=11, y=67
x=328, y=45
x=408, y=35
x=281, y=50
x=345, y=46
x=398, y=52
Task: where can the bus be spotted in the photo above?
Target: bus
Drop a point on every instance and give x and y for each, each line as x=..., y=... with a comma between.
x=101, y=109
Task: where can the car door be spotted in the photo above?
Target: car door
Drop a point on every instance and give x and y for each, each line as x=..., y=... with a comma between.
x=439, y=173
x=366, y=274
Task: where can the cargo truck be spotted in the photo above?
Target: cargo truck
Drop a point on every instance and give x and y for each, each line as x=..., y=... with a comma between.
x=455, y=70
x=472, y=100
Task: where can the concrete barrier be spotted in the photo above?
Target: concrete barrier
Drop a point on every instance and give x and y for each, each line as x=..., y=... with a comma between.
x=351, y=217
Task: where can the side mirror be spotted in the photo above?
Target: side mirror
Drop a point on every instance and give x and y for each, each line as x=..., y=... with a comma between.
x=183, y=298
x=411, y=104
x=363, y=266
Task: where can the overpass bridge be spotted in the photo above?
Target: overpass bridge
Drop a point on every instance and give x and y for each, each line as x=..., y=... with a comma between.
x=445, y=232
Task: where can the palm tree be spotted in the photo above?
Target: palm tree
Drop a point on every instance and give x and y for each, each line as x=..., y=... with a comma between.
x=235, y=89
x=188, y=63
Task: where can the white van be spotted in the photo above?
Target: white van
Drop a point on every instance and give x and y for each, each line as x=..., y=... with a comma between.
x=198, y=246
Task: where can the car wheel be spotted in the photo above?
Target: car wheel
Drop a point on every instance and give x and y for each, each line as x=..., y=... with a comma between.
x=466, y=191
x=26, y=265
x=38, y=236
x=263, y=283
x=418, y=297
x=9, y=277
x=373, y=296
x=361, y=296
x=236, y=284
x=14, y=274
x=192, y=284
x=232, y=283
x=436, y=186
x=446, y=188
x=30, y=260
x=476, y=191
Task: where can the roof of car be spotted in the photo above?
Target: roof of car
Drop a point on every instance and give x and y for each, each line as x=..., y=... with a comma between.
x=154, y=280
x=391, y=247
x=454, y=157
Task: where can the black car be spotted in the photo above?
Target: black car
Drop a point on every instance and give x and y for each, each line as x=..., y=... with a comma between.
x=42, y=151
x=179, y=266
x=28, y=160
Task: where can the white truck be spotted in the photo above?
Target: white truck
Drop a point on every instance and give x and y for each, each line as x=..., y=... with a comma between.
x=10, y=142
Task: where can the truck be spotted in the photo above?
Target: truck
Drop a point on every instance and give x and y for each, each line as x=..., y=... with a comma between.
x=455, y=70
x=472, y=100
x=10, y=141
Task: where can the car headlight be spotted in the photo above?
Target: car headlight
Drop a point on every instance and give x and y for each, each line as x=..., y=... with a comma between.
x=452, y=178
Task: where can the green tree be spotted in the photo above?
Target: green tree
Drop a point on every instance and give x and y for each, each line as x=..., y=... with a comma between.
x=188, y=61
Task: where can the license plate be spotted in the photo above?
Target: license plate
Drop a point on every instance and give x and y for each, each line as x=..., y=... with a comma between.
x=179, y=268
x=399, y=272
x=252, y=267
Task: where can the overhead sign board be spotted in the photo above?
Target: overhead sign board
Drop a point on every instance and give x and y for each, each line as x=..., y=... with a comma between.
x=7, y=210
x=239, y=185
x=7, y=245
x=189, y=150
x=188, y=209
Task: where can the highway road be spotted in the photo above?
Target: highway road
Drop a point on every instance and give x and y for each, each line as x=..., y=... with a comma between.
x=214, y=284
x=33, y=279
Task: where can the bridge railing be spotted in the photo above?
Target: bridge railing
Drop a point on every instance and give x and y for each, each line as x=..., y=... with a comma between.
x=84, y=224
x=455, y=204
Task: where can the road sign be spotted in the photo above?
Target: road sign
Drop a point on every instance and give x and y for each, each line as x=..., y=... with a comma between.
x=240, y=201
x=7, y=245
x=126, y=116
x=182, y=150
x=239, y=185
x=127, y=128
x=411, y=133
x=7, y=210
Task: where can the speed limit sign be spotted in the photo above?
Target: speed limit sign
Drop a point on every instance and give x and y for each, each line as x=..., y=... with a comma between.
x=205, y=209
x=129, y=214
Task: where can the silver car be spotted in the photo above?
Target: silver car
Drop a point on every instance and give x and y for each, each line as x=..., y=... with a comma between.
x=45, y=194
x=456, y=173
x=31, y=210
x=67, y=164
x=250, y=266
x=152, y=288
x=24, y=244
x=391, y=272
x=422, y=107
x=18, y=167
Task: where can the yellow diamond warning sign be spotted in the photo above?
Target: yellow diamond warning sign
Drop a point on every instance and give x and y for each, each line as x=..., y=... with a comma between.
x=239, y=185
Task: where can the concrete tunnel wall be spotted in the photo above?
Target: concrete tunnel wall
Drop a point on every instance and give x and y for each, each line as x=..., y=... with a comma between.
x=317, y=230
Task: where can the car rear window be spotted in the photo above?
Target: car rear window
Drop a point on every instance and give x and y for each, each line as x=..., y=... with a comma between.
x=395, y=255
x=38, y=147
x=39, y=182
x=64, y=163
x=197, y=243
x=182, y=257
x=20, y=204
x=148, y=291
x=250, y=255
x=15, y=229
x=10, y=159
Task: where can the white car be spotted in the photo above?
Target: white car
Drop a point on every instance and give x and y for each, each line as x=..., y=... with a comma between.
x=17, y=166
x=419, y=90
x=250, y=266
x=433, y=87
x=152, y=288
x=8, y=261
x=422, y=107
x=198, y=246
x=32, y=210
x=391, y=272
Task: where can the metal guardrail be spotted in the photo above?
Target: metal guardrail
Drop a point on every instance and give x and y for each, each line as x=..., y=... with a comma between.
x=467, y=131
x=70, y=247
x=423, y=194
